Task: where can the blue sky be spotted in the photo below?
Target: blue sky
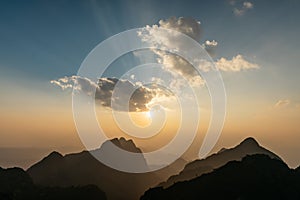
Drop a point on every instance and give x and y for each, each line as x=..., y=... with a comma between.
x=49, y=39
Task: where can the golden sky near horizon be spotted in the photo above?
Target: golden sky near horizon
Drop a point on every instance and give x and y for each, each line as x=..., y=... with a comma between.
x=47, y=121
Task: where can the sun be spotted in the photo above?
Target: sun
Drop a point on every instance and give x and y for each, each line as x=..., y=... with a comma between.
x=148, y=114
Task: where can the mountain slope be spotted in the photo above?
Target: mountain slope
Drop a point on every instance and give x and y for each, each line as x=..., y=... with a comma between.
x=198, y=167
x=255, y=177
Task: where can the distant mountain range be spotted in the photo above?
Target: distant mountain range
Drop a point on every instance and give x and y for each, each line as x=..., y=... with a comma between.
x=76, y=170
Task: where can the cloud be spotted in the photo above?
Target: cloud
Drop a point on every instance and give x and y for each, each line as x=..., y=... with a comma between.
x=158, y=37
x=61, y=83
x=236, y=64
x=210, y=46
x=243, y=9
x=188, y=26
x=178, y=66
x=80, y=84
x=138, y=101
x=212, y=43
x=103, y=90
x=282, y=103
x=248, y=5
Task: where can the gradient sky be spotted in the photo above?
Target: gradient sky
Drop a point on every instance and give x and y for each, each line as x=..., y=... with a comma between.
x=45, y=40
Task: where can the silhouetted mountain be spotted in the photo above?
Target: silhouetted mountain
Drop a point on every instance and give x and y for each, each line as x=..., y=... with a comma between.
x=127, y=145
x=298, y=169
x=89, y=192
x=255, y=177
x=198, y=167
x=82, y=169
x=16, y=184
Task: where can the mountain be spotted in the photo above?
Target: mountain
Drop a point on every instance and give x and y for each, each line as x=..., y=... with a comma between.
x=82, y=169
x=14, y=181
x=198, y=167
x=16, y=184
x=127, y=145
x=254, y=177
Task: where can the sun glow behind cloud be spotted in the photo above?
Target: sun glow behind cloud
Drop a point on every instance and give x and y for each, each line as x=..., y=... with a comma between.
x=141, y=119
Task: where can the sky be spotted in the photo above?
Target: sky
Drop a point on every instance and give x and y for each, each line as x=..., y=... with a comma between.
x=44, y=41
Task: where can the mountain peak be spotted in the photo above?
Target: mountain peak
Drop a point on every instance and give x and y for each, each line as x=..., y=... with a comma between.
x=249, y=146
x=250, y=141
x=55, y=154
x=127, y=145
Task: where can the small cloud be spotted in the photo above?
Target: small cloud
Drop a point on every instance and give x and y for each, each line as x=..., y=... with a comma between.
x=239, y=11
x=248, y=5
x=75, y=82
x=212, y=43
x=210, y=46
x=236, y=64
x=62, y=83
x=282, y=103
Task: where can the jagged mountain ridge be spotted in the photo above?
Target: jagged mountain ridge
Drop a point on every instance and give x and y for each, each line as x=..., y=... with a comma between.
x=249, y=146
